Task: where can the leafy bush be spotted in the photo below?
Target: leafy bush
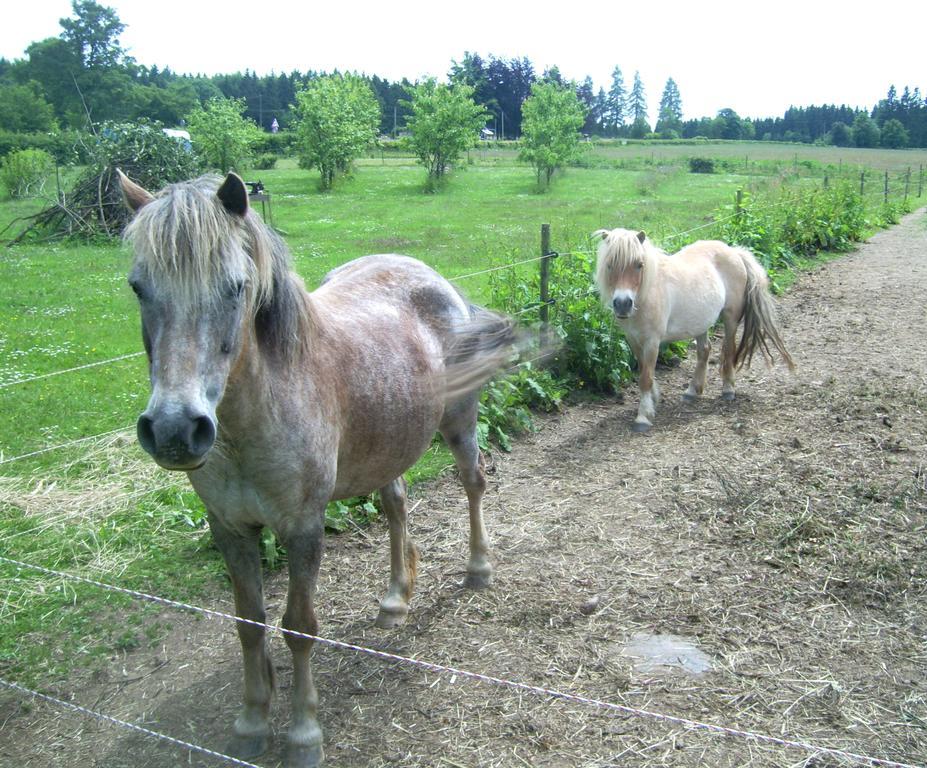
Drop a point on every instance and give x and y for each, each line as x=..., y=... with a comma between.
x=701, y=165
x=506, y=404
x=25, y=171
x=264, y=162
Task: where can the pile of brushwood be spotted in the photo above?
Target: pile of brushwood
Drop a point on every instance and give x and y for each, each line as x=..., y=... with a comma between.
x=93, y=207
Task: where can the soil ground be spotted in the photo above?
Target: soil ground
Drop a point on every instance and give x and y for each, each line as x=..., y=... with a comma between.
x=784, y=534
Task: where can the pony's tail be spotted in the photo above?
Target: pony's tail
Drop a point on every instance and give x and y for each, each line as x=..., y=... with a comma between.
x=761, y=328
x=479, y=348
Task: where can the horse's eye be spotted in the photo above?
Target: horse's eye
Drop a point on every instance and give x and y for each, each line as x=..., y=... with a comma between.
x=238, y=288
x=639, y=265
x=137, y=288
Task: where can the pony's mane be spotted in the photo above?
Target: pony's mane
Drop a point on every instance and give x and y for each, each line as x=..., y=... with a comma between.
x=189, y=242
x=620, y=249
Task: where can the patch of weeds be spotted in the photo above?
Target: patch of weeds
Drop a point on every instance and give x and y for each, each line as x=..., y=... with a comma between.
x=347, y=514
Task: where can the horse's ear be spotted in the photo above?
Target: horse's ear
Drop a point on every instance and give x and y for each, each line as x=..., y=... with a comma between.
x=641, y=236
x=134, y=195
x=600, y=233
x=233, y=195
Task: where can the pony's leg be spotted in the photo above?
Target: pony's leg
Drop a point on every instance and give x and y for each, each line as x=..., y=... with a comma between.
x=728, y=349
x=458, y=427
x=697, y=384
x=403, y=557
x=304, y=551
x=650, y=392
x=242, y=557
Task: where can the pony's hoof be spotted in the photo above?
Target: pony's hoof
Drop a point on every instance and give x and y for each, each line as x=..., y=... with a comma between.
x=300, y=756
x=248, y=747
x=727, y=396
x=477, y=580
x=390, y=618
x=640, y=426
x=689, y=397
x=393, y=613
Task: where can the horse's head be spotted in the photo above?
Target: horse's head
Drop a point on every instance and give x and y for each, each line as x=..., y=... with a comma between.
x=621, y=267
x=195, y=281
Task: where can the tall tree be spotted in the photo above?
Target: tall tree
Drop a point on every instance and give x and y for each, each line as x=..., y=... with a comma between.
x=445, y=123
x=586, y=97
x=637, y=108
x=637, y=100
x=93, y=35
x=337, y=118
x=670, y=117
x=616, y=109
x=550, y=131
x=221, y=133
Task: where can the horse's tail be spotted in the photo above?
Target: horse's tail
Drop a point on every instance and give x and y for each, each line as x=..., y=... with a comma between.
x=761, y=327
x=481, y=346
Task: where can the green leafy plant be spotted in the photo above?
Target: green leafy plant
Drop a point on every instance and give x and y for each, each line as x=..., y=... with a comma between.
x=24, y=173
x=701, y=165
x=444, y=123
x=506, y=403
x=222, y=135
x=552, y=117
x=337, y=119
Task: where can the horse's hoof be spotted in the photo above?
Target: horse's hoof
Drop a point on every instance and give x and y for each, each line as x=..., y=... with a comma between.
x=299, y=756
x=640, y=426
x=248, y=747
x=727, y=396
x=477, y=580
x=390, y=618
x=689, y=398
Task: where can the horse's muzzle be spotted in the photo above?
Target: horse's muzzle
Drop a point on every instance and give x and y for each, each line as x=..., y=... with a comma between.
x=623, y=306
x=177, y=441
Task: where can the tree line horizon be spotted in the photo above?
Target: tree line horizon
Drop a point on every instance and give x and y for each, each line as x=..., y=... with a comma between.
x=84, y=75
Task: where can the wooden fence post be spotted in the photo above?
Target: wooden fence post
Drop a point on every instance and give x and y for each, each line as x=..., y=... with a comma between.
x=907, y=183
x=885, y=194
x=545, y=272
x=862, y=182
x=920, y=181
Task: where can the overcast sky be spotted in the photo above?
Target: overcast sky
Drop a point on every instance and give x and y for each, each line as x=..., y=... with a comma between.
x=757, y=58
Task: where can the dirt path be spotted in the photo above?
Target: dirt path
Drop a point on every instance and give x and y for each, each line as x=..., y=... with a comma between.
x=785, y=535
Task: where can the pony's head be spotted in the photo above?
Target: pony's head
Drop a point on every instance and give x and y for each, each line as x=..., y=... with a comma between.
x=203, y=266
x=622, y=268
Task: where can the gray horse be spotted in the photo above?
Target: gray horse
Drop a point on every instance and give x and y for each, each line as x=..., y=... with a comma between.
x=276, y=401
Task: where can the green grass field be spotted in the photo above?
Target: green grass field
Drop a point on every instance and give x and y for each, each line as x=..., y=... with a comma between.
x=100, y=507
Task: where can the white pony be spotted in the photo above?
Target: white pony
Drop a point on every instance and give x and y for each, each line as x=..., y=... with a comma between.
x=656, y=297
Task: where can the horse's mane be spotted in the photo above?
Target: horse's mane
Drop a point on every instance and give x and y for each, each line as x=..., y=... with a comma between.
x=186, y=239
x=620, y=249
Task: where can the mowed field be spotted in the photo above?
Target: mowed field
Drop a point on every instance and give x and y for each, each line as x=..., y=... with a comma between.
x=98, y=507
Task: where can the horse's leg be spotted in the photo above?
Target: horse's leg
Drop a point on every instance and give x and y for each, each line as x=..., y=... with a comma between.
x=728, y=349
x=650, y=392
x=242, y=557
x=697, y=384
x=304, y=552
x=458, y=427
x=403, y=557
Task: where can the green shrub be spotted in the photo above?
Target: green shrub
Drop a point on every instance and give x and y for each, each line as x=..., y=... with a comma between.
x=264, y=162
x=701, y=165
x=506, y=403
x=25, y=171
